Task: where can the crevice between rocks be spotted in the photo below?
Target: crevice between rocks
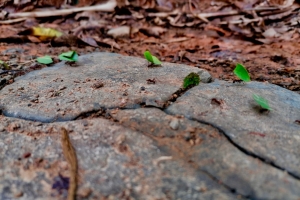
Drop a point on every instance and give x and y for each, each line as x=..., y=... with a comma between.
x=197, y=168
x=103, y=113
x=175, y=96
x=190, y=162
x=102, y=110
x=245, y=151
x=181, y=92
x=230, y=189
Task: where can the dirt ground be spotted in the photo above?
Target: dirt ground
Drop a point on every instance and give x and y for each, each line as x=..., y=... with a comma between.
x=203, y=45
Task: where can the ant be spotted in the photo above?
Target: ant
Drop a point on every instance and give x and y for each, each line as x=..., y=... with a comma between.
x=151, y=81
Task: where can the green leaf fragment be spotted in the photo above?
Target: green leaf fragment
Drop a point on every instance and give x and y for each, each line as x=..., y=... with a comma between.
x=261, y=101
x=148, y=56
x=69, y=56
x=45, y=60
x=191, y=80
x=241, y=72
x=154, y=60
x=4, y=65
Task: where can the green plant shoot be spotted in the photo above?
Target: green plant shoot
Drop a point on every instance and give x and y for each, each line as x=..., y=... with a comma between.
x=44, y=60
x=241, y=72
x=154, y=60
x=69, y=56
x=191, y=80
x=262, y=102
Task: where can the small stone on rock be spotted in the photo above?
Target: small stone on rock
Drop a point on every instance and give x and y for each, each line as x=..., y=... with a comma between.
x=174, y=124
x=84, y=192
x=2, y=128
x=18, y=194
x=205, y=76
x=99, y=84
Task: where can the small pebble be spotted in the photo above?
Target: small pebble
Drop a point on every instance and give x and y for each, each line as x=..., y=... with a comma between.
x=85, y=123
x=15, y=126
x=8, y=77
x=187, y=136
x=84, y=192
x=26, y=155
x=2, y=128
x=18, y=194
x=98, y=84
x=174, y=124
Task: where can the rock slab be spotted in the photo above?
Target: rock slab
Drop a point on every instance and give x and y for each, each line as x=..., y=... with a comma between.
x=273, y=136
x=135, y=139
x=100, y=80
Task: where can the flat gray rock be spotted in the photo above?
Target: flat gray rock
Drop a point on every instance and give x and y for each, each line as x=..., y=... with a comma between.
x=273, y=136
x=114, y=163
x=100, y=80
x=208, y=150
x=135, y=139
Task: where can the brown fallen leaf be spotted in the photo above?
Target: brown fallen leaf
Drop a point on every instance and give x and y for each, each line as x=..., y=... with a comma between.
x=68, y=40
x=121, y=31
x=70, y=155
x=218, y=30
x=153, y=31
x=107, y=42
x=33, y=39
x=90, y=41
x=45, y=3
x=15, y=39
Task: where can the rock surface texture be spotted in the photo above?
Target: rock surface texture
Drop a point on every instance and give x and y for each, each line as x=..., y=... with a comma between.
x=138, y=135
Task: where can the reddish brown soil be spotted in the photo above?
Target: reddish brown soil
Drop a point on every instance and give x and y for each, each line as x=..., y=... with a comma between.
x=277, y=62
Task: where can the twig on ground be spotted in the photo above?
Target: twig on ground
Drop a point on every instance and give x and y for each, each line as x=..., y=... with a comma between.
x=106, y=7
x=12, y=21
x=70, y=155
x=200, y=17
x=242, y=21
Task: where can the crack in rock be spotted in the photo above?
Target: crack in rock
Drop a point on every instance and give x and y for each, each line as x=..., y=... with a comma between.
x=245, y=151
x=126, y=158
x=242, y=172
x=207, y=140
x=272, y=137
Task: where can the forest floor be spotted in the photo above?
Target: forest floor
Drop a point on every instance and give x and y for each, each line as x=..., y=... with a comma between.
x=212, y=35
